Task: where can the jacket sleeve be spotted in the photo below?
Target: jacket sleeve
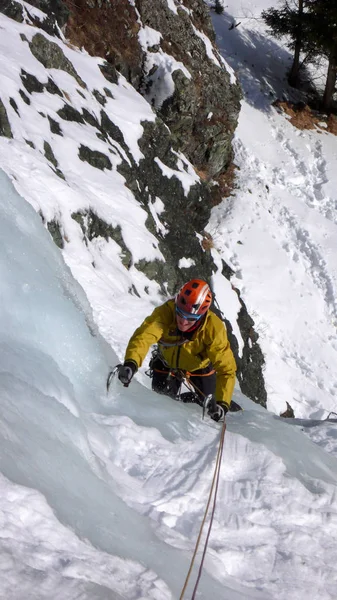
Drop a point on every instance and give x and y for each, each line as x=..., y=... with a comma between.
x=147, y=334
x=220, y=354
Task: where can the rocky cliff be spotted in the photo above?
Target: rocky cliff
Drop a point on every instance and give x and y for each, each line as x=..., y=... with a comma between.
x=167, y=53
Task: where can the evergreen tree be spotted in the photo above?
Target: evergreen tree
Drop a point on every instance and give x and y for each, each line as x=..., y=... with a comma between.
x=218, y=7
x=323, y=38
x=311, y=27
x=291, y=20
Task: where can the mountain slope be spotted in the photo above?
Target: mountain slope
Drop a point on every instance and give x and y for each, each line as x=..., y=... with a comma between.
x=102, y=497
x=279, y=231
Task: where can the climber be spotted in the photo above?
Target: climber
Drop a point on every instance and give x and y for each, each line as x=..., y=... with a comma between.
x=192, y=345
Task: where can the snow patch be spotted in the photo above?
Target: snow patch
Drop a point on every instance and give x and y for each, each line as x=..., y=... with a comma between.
x=186, y=263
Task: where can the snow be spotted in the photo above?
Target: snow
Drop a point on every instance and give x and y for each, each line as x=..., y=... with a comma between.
x=279, y=232
x=161, y=66
x=172, y=6
x=102, y=496
x=149, y=37
x=187, y=177
x=32, y=10
x=158, y=65
x=208, y=45
x=156, y=208
x=230, y=71
x=186, y=263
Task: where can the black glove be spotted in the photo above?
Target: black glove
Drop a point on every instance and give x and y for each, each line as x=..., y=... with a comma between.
x=126, y=372
x=217, y=411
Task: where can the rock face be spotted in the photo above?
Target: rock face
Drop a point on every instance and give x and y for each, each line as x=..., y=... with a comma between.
x=110, y=30
x=196, y=100
x=56, y=12
x=166, y=51
x=5, y=128
x=202, y=111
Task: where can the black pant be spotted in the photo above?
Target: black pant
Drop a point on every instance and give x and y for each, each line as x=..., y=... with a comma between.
x=169, y=384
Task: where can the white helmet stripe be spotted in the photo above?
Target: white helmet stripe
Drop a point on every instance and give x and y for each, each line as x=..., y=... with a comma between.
x=201, y=297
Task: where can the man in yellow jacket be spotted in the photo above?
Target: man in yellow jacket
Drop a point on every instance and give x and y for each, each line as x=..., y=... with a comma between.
x=192, y=343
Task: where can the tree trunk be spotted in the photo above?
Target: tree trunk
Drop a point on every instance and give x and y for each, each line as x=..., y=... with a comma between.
x=293, y=77
x=330, y=84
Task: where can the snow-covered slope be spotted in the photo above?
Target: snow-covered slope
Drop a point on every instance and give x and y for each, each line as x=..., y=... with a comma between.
x=47, y=163
x=102, y=497
x=128, y=475
x=279, y=230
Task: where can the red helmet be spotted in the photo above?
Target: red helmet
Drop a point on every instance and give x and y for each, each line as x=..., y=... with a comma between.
x=194, y=298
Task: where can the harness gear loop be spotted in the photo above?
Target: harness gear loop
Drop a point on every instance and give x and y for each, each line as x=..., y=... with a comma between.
x=214, y=487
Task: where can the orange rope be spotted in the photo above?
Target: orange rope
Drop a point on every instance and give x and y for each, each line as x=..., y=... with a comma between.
x=186, y=374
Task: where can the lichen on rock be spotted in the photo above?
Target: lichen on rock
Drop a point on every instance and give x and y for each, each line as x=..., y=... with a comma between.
x=5, y=128
x=93, y=227
x=94, y=158
x=51, y=56
x=54, y=229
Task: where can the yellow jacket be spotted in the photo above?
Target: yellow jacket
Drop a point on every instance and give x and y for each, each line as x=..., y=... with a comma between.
x=208, y=344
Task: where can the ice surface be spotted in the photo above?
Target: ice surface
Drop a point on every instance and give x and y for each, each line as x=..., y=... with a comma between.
x=102, y=497
x=53, y=370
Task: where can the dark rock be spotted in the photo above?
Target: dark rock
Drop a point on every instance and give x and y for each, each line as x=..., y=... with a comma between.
x=133, y=291
x=251, y=364
x=160, y=271
x=102, y=137
x=59, y=173
x=49, y=154
x=53, y=8
x=99, y=97
x=24, y=97
x=203, y=110
x=90, y=118
x=108, y=127
x=54, y=126
x=108, y=92
x=56, y=15
x=109, y=72
x=52, y=88
x=5, y=128
x=14, y=105
x=227, y=271
x=182, y=216
x=31, y=83
x=94, y=158
x=55, y=231
x=52, y=57
x=30, y=144
x=93, y=227
x=69, y=113
x=12, y=9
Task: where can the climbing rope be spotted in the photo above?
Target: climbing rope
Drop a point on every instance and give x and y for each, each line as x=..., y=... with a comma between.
x=214, y=487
